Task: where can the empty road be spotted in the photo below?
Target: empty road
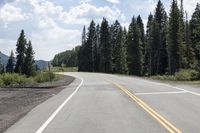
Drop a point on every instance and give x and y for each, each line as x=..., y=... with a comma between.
x=103, y=103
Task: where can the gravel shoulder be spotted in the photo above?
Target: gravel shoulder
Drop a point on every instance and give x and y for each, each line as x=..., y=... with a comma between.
x=17, y=102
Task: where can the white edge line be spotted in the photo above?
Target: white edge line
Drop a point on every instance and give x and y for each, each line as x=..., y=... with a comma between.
x=177, y=88
x=158, y=93
x=41, y=129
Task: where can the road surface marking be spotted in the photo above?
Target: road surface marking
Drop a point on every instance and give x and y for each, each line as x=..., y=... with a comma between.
x=161, y=93
x=170, y=127
x=170, y=86
x=42, y=128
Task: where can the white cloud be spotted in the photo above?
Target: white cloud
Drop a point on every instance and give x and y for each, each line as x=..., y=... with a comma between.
x=48, y=31
x=126, y=25
x=7, y=45
x=9, y=13
x=46, y=22
x=45, y=8
x=49, y=42
x=84, y=1
x=83, y=13
x=144, y=6
x=80, y=14
x=190, y=6
x=114, y=1
x=51, y=38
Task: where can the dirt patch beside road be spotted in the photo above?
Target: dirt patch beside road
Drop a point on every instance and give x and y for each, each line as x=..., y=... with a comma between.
x=16, y=102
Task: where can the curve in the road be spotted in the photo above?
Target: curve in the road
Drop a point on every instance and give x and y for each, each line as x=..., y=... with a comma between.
x=165, y=123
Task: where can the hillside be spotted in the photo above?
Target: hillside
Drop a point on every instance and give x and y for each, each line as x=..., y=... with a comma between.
x=68, y=58
x=4, y=58
x=40, y=63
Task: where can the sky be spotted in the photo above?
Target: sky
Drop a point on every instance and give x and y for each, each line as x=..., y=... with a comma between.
x=54, y=26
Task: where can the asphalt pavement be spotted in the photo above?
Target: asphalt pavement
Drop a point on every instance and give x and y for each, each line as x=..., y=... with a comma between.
x=104, y=103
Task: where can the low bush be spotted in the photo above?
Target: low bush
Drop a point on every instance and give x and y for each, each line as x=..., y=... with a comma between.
x=14, y=79
x=64, y=69
x=187, y=75
x=1, y=83
x=8, y=79
x=47, y=77
x=182, y=75
x=164, y=77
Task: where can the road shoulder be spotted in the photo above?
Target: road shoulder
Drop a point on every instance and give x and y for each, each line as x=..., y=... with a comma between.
x=15, y=103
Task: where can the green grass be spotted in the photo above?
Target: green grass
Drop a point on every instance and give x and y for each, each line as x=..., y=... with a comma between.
x=182, y=75
x=46, y=77
x=14, y=79
x=187, y=76
x=64, y=69
x=164, y=77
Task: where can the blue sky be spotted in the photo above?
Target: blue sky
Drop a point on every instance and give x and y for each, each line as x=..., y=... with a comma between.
x=55, y=25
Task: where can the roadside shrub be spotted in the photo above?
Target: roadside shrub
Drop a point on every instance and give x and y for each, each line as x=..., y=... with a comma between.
x=45, y=77
x=187, y=75
x=1, y=83
x=64, y=69
x=14, y=79
x=164, y=77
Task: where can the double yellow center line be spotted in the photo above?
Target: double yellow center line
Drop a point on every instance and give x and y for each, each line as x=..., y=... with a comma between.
x=170, y=127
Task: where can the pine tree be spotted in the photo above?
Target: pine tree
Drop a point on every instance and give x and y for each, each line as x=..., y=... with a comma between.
x=20, y=51
x=190, y=54
x=105, y=48
x=134, y=56
x=29, y=62
x=173, y=38
x=81, y=52
x=116, y=41
x=195, y=33
x=181, y=39
x=1, y=67
x=124, y=67
x=142, y=35
x=96, y=50
x=159, y=50
x=149, y=40
x=90, y=46
x=10, y=64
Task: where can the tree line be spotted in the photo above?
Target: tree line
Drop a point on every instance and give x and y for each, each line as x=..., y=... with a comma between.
x=171, y=43
x=24, y=62
x=69, y=58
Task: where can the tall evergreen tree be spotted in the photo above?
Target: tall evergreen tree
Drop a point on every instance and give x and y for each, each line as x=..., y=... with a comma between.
x=87, y=49
x=1, y=67
x=81, y=52
x=116, y=41
x=195, y=33
x=29, y=62
x=83, y=36
x=190, y=54
x=149, y=40
x=134, y=56
x=181, y=38
x=159, y=48
x=96, y=49
x=142, y=35
x=105, y=48
x=10, y=64
x=20, y=51
x=124, y=67
x=90, y=47
x=173, y=38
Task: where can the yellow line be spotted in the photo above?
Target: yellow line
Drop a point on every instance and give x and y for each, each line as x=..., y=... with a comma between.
x=170, y=127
